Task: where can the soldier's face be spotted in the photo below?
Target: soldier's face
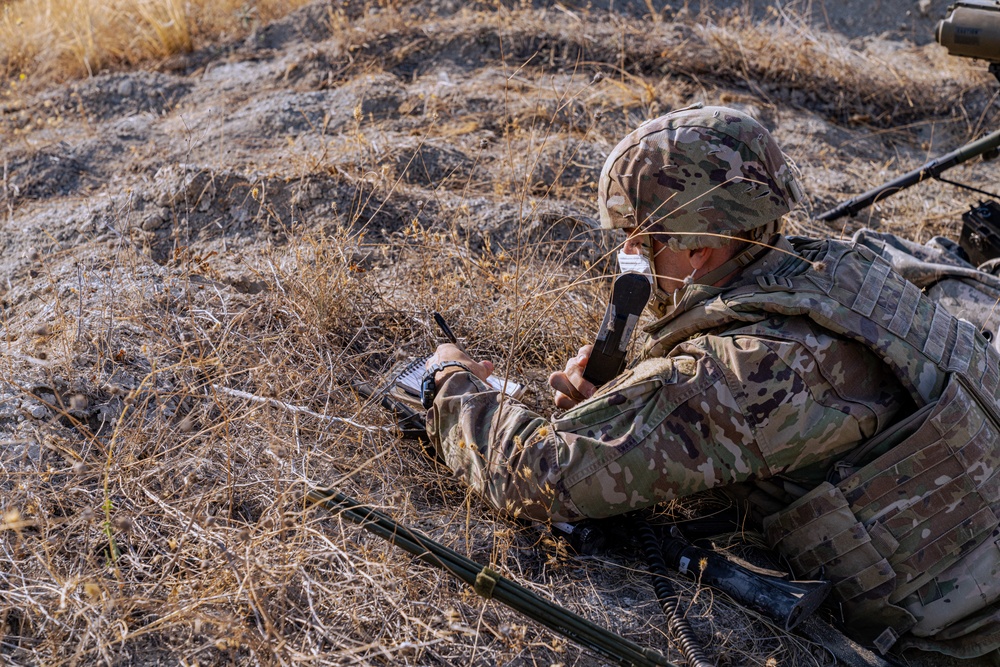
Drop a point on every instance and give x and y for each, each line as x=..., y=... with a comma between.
x=670, y=267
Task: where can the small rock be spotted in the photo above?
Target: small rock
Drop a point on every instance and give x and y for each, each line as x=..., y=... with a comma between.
x=38, y=411
x=78, y=402
x=239, y=214
x=10, y=410
x=206, y=197
x=154, y=220
x=107, y=414
x=126, y=88
x=28, y=451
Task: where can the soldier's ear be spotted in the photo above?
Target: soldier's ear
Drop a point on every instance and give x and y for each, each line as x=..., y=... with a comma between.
x=700, y=257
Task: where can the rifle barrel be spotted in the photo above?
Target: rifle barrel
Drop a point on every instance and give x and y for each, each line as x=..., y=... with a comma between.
x=932, y=169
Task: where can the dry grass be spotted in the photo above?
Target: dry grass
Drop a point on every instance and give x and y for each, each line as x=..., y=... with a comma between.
x=171, y=520
x=657, y=66
x=53, y=40
x=151, y=480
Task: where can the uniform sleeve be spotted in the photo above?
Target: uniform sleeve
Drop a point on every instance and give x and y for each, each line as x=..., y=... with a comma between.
x=719, y=410
x=634, y=445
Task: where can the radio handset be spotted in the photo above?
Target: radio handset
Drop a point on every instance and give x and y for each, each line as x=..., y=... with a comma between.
x=629, y=295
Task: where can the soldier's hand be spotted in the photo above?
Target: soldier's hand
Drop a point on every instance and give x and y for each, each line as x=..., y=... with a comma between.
x=449, y=352
x=570, y=387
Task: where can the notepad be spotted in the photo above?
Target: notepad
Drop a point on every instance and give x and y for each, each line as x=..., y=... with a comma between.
x=413, y=374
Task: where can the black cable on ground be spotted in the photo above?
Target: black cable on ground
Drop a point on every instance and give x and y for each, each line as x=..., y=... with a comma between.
x=678, y=625
x=490, y=584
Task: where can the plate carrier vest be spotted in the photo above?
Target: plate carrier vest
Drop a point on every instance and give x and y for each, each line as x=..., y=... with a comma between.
x=919, y=502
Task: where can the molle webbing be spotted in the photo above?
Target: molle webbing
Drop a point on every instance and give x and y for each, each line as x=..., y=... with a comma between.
x=852, y=292
x=937, y=494
x=889, y=529
x=820, y=535
x=886, y=531
x=922, y=504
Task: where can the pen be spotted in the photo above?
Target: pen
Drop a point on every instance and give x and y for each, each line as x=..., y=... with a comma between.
x=445, y=329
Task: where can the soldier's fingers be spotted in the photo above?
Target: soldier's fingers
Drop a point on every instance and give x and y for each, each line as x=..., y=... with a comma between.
x=481, y=369
x=569, y=390
x=561, y=382
x=579, y=362
x=581, y=388
x=584, y=387
x=564, y=402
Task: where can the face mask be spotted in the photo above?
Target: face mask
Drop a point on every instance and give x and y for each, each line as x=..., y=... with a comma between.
x=658, y=302
x=636, y=263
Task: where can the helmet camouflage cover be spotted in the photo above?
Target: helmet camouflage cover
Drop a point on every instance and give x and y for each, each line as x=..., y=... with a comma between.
x=693, y=173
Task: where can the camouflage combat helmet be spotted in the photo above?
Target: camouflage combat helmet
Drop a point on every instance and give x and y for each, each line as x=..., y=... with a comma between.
x=696, y=172
x=692, y=178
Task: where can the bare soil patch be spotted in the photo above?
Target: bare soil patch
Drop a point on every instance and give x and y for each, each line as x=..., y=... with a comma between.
x=270, y=220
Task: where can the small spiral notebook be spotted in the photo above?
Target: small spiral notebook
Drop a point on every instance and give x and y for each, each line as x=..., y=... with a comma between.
x=412, y=374
x=401, y=396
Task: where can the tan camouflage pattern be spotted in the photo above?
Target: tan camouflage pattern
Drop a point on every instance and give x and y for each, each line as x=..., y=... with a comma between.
x=910, y=538
x=784, y=373
x=772, y=395
x=669, y=427
x=694, y=174
x=966, y=292
x=820, y=535
x=926, y=505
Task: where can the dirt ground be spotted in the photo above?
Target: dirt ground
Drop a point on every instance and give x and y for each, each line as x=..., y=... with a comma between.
x=200, y=260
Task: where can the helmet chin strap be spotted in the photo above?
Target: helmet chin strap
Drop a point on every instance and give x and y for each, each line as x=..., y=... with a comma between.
x=687, y=281
x=738, y=262
x=660, y=302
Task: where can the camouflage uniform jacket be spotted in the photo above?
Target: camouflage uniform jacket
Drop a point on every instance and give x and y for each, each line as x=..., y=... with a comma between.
x=773, y=395
x=777, y=373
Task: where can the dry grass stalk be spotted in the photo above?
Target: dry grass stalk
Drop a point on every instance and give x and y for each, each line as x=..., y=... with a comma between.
x=161, y=518
x=52, y=40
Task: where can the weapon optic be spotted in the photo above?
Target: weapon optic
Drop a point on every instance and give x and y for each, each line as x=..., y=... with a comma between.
x=971, y=29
